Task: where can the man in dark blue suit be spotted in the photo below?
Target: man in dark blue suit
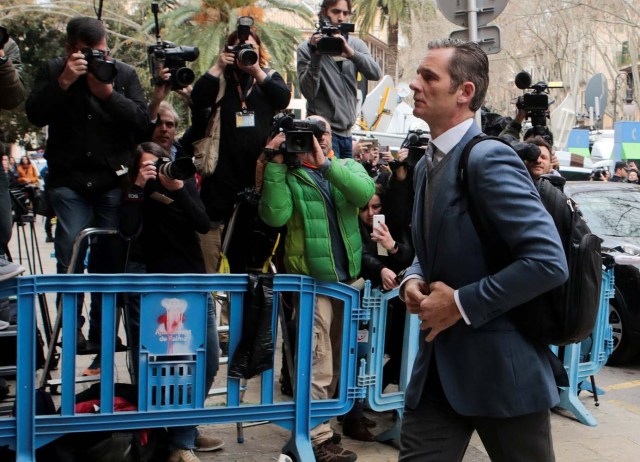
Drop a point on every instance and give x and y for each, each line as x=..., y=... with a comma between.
x=474, y=369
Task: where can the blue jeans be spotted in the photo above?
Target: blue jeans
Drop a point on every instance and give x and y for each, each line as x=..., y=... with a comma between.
x=77, y=211
x=342, y=146
x=185, y=437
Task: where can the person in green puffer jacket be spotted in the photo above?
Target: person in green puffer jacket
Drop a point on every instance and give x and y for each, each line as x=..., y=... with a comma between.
x=319, y=200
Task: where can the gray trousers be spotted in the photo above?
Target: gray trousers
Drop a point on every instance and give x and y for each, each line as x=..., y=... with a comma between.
x=435, y=432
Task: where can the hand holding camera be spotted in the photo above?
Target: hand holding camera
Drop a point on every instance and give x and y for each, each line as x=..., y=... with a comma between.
x=170, y=184
x=75, y=66
x=146, y=172
x=100, y=71
x=166, y=55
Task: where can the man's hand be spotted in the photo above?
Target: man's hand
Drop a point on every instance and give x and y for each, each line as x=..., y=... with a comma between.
x=314, y=39
x=101, y=90
x=438, y=311
x=415, y=291
x=162, y=90
x=315, y=158
x=75, y=66
x=347, y=51
x=521, y=114
x=275, y=143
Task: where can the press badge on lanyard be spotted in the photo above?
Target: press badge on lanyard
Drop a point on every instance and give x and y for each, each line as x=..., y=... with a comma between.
x=245, y=119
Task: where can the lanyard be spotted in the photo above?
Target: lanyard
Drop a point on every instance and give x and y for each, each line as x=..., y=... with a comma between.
x=244, y=93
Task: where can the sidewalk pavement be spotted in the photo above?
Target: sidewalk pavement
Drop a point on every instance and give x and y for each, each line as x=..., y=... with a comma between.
x=616, y=438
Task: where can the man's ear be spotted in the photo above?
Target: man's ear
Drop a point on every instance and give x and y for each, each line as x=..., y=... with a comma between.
x=466, y=92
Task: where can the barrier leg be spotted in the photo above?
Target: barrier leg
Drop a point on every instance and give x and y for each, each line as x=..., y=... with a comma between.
x=569, y=395
x=299, y=446
x=409, y=353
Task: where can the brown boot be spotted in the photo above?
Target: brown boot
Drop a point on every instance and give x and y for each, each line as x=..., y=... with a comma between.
x=330, y=452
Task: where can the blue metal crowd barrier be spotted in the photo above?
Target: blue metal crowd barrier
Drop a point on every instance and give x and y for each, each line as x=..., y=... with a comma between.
x=370, y=373
x=594, y=350
x=164, y=381
x=598, y=348
x=164, y=405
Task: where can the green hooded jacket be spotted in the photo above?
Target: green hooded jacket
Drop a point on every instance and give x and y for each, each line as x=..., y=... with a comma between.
x=291, y=197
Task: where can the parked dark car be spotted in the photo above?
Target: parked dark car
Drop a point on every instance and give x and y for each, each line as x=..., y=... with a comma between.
x=612, y=211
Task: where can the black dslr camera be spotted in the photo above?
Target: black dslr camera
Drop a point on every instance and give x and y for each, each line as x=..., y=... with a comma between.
x=536, y=102
x=180, y=169
x=168, y=55
x=416, y=141
x=100, y=65
x=244, y=52
x=329, y=44
x=298, y=135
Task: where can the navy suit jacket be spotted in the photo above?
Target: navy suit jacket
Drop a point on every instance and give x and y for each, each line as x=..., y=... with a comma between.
x=487, y=368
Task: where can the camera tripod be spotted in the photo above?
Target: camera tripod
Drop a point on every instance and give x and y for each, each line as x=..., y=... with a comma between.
x=23, y=219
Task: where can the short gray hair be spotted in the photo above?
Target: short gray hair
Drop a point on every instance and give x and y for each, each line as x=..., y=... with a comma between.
x=164, y=106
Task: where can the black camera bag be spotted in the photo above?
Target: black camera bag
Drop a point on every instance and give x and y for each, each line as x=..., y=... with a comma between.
x=566, y=314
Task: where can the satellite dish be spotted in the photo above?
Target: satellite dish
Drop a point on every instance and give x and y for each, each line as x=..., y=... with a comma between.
x=403, y=90
x=377, y=109
x=595, y=95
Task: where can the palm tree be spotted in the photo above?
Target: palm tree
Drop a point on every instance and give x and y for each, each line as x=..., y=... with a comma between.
x=206, y=24
x=392, y=13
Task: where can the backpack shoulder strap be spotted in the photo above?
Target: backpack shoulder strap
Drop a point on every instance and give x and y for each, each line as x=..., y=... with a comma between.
x=487, y=239
x=464, y=157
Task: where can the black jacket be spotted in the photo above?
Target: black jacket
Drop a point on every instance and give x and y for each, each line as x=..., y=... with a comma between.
x=239, y=147
x=168, y=233
x=89, y=140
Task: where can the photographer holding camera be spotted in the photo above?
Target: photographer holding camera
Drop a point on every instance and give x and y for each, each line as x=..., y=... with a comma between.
x=96, y=113
x=163, y=211
x=328, y=64
x=318, y=199
x=252, y=94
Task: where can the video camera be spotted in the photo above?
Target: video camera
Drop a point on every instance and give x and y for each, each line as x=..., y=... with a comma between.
x=100, y=65
x=329, y=44
x=179, y=169
x=244, y=52
x=536, y=102
x=298, y=135
x=168, y=55
x=416, y=141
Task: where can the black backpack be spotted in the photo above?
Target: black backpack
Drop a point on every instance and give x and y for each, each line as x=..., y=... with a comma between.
x=566, y=314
